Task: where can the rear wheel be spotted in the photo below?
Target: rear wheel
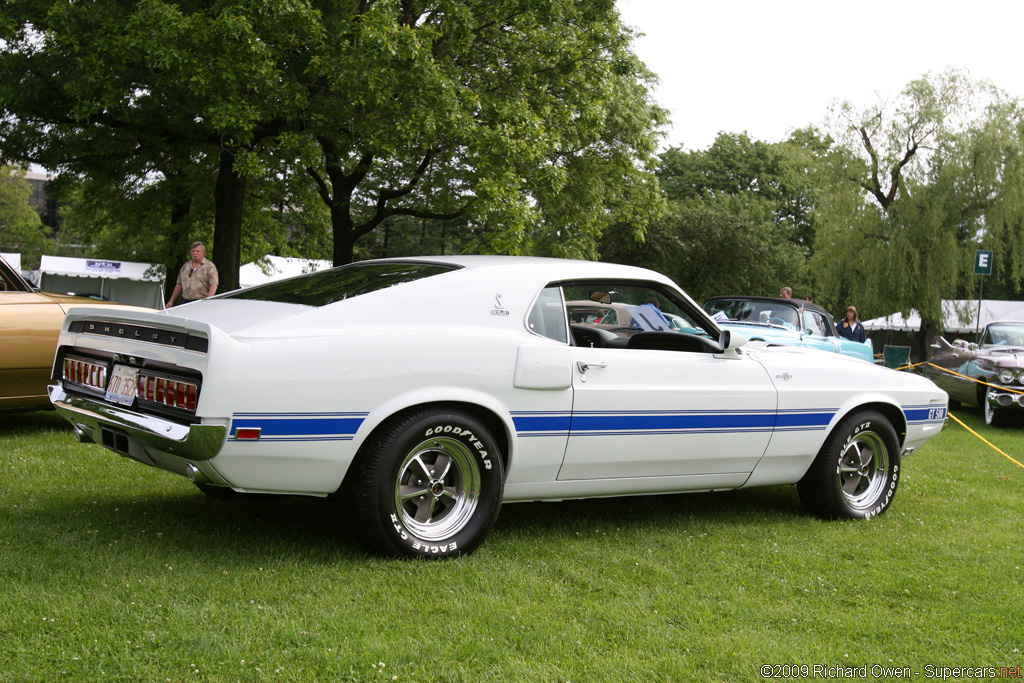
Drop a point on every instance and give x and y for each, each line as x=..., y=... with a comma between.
x=857, y=470
x=430, y=486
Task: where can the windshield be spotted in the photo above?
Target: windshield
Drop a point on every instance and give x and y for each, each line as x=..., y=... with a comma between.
x=1004, y=334
x=754, y=311
x=337, y=284
x=11, y=281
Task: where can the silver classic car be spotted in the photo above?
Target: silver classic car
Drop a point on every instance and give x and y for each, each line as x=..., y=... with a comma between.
x=989, y=375
x=425, y=393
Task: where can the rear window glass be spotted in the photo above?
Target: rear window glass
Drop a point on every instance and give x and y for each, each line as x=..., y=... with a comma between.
x=337, y=284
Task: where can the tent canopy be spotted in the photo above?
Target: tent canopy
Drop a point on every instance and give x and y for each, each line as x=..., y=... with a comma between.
x=140, y=284
x=958, y=315
x=13, y=260
x=271, y=268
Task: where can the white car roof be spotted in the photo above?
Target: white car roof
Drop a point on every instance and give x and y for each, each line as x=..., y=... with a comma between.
x=545, y=268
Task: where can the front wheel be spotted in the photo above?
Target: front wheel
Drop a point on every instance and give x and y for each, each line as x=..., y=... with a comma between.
x=856, y=472
x=430, y=486
x=994, y=417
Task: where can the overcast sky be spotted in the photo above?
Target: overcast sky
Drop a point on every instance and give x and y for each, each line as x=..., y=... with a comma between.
x=769, y=66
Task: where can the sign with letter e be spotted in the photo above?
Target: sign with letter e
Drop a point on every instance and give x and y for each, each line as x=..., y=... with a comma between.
x=982, y=262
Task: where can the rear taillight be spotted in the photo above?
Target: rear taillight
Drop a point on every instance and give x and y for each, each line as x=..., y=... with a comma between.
x=85, y=372
x=175, y=393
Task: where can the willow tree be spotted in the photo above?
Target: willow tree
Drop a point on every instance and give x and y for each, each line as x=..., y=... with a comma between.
x=911, y=188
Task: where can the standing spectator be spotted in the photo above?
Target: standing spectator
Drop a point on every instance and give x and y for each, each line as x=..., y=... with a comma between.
x=197, y=279
x=786, y=293
x=850, y=326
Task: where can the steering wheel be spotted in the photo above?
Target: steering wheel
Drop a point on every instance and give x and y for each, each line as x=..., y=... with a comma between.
x=777, y=321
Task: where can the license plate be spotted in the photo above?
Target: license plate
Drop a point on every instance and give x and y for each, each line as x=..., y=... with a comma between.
x=123, y=385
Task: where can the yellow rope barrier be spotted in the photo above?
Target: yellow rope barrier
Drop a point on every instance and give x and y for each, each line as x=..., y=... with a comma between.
x=1012, y=391
x=949, y=414
x=958, y=421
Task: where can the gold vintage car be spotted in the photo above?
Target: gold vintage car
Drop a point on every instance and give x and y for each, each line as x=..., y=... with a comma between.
x=29, y=324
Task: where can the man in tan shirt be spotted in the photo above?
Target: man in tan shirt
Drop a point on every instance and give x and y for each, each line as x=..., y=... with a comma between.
x=197, y=279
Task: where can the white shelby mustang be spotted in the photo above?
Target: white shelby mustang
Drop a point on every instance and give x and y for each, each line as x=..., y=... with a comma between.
x=426, y=392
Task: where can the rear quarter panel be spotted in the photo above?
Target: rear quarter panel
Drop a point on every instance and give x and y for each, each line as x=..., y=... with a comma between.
x=319, y=398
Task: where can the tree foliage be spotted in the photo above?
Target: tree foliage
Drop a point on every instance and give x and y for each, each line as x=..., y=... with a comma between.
x=21, y=229
x=529, y=121
x=910, y=190
x=739, y=220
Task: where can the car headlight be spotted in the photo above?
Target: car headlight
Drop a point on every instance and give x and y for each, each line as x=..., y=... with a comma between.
x=1006, y=376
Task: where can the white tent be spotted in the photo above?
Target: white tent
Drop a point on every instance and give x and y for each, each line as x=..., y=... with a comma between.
x=13, y=260
x=958, y=315
x=140, y=284
x=271, y=268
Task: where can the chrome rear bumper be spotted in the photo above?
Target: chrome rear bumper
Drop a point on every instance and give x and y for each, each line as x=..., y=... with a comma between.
x=106, y=424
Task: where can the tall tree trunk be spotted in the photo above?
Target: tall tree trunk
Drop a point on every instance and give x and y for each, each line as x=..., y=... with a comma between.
x=929, y=331
x=178, y=235
x=344, y=234
x=229, y=198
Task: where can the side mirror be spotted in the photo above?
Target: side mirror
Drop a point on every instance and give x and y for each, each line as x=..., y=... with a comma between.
x=730, y=340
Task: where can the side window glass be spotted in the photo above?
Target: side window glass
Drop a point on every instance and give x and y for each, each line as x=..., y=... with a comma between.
x=633, y=315
x=826, y=331
x=812, y=324
x=547, y=317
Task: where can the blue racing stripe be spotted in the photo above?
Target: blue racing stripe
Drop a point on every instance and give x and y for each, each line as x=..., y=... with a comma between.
x=643, y=422
x=672, y=422
x=300, y=426
x=540, y=422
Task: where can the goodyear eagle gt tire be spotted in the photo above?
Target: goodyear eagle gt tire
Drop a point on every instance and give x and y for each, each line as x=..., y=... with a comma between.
x=857, y=470
x=431, y=486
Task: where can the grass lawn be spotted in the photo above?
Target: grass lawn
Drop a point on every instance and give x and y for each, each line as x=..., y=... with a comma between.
x=112, y=571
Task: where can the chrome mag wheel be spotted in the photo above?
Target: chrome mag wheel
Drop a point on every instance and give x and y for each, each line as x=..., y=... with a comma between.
x=864, y=470
x=438, y=488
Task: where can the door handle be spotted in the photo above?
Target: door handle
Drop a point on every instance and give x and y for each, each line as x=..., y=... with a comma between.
x=583, y=365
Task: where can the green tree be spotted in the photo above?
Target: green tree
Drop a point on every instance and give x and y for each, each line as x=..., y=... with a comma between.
x=739, y=219
x=714, y=246
x=508, y=114
x=512, y=114
x=149, y=96
x=910, y=191
x=21, y=230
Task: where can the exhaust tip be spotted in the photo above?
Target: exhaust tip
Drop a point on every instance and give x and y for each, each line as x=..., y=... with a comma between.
x=82, y=434
x=195, y=475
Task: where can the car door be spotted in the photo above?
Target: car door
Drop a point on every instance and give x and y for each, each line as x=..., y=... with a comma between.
x=677, y=407
x=651, y=412
x=29, y=324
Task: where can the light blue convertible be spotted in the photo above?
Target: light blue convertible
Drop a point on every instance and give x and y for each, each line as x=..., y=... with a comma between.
x=793, y=322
